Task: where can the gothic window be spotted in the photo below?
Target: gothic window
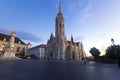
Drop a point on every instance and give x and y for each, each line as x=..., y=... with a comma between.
x=68, y=47
x=23, y=50
x=60, y=25
x=73, y=55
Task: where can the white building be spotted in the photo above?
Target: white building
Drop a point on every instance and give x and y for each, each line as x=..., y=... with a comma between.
x=37, y=51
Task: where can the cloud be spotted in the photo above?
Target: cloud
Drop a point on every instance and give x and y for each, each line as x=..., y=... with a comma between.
x=101, y=36
x=28, y=36
x=5, y=31
x=83, y=9
x=87, y=12
x=23, y=35
x=81, y=12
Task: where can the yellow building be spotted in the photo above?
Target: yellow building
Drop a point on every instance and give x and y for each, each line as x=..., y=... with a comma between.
x=19, y=45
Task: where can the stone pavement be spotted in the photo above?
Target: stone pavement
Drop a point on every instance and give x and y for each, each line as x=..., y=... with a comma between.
x=57, y=70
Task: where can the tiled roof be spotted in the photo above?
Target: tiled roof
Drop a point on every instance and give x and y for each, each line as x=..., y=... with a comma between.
x=77, y=43
x=43, y=46
x=7, y=37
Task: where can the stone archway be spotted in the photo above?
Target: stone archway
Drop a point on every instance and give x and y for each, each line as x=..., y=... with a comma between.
x=68, y=56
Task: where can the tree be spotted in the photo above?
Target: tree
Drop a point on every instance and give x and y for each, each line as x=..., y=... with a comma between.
x=95, y=52
x=113, y=51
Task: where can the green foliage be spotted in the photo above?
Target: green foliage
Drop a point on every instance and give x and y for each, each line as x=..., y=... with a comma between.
x=113, y=51
x=95, y=52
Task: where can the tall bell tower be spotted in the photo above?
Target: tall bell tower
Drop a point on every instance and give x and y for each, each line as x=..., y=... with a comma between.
x=60, y=34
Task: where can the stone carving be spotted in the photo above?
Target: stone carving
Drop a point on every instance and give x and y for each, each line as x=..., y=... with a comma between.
x=9, y=49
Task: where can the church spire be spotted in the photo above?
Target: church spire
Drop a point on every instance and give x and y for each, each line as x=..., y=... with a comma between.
x=72, y=38
x=60, y=8
x=51, y=36
x=59, y=23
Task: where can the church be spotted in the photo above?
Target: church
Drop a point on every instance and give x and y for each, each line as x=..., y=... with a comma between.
x=58, y=47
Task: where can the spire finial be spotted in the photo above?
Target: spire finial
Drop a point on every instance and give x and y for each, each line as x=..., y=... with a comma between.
x=60, y=7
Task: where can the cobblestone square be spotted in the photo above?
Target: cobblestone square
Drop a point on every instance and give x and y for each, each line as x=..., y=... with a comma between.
x=57, y=70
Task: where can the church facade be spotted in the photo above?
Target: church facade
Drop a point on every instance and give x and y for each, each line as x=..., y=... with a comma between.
x=58, y=47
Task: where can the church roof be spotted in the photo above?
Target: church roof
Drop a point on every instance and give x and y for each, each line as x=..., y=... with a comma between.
x=77, y=43
x=43, y=46
x=7, y=37
x=70, y=42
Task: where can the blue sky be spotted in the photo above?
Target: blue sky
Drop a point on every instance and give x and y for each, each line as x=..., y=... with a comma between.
x=94, y=22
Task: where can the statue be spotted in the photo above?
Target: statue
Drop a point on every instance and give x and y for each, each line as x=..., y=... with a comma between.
x=9, y=49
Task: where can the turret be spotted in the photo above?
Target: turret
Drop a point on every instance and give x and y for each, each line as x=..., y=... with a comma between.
x=72, y=39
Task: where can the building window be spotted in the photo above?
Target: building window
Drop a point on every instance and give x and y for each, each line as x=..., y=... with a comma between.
x=60, y=25
x=18, y=49
x=23, y=50
x=4, y=39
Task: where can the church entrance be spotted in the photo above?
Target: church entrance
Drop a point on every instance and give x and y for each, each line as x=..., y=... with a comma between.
x=73, y=55
x=51, y=55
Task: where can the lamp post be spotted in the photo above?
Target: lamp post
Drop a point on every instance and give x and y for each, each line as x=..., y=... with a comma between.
x=112, y=40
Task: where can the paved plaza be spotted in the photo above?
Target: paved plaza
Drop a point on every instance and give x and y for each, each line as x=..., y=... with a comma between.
x=57, y=70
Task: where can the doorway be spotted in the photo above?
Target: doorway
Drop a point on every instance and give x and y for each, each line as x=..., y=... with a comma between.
x=73, y=55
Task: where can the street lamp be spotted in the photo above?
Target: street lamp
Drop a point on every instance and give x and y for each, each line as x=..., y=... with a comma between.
x=112, y=40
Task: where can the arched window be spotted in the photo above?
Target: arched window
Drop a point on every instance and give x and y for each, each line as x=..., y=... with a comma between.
x=60, y=25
